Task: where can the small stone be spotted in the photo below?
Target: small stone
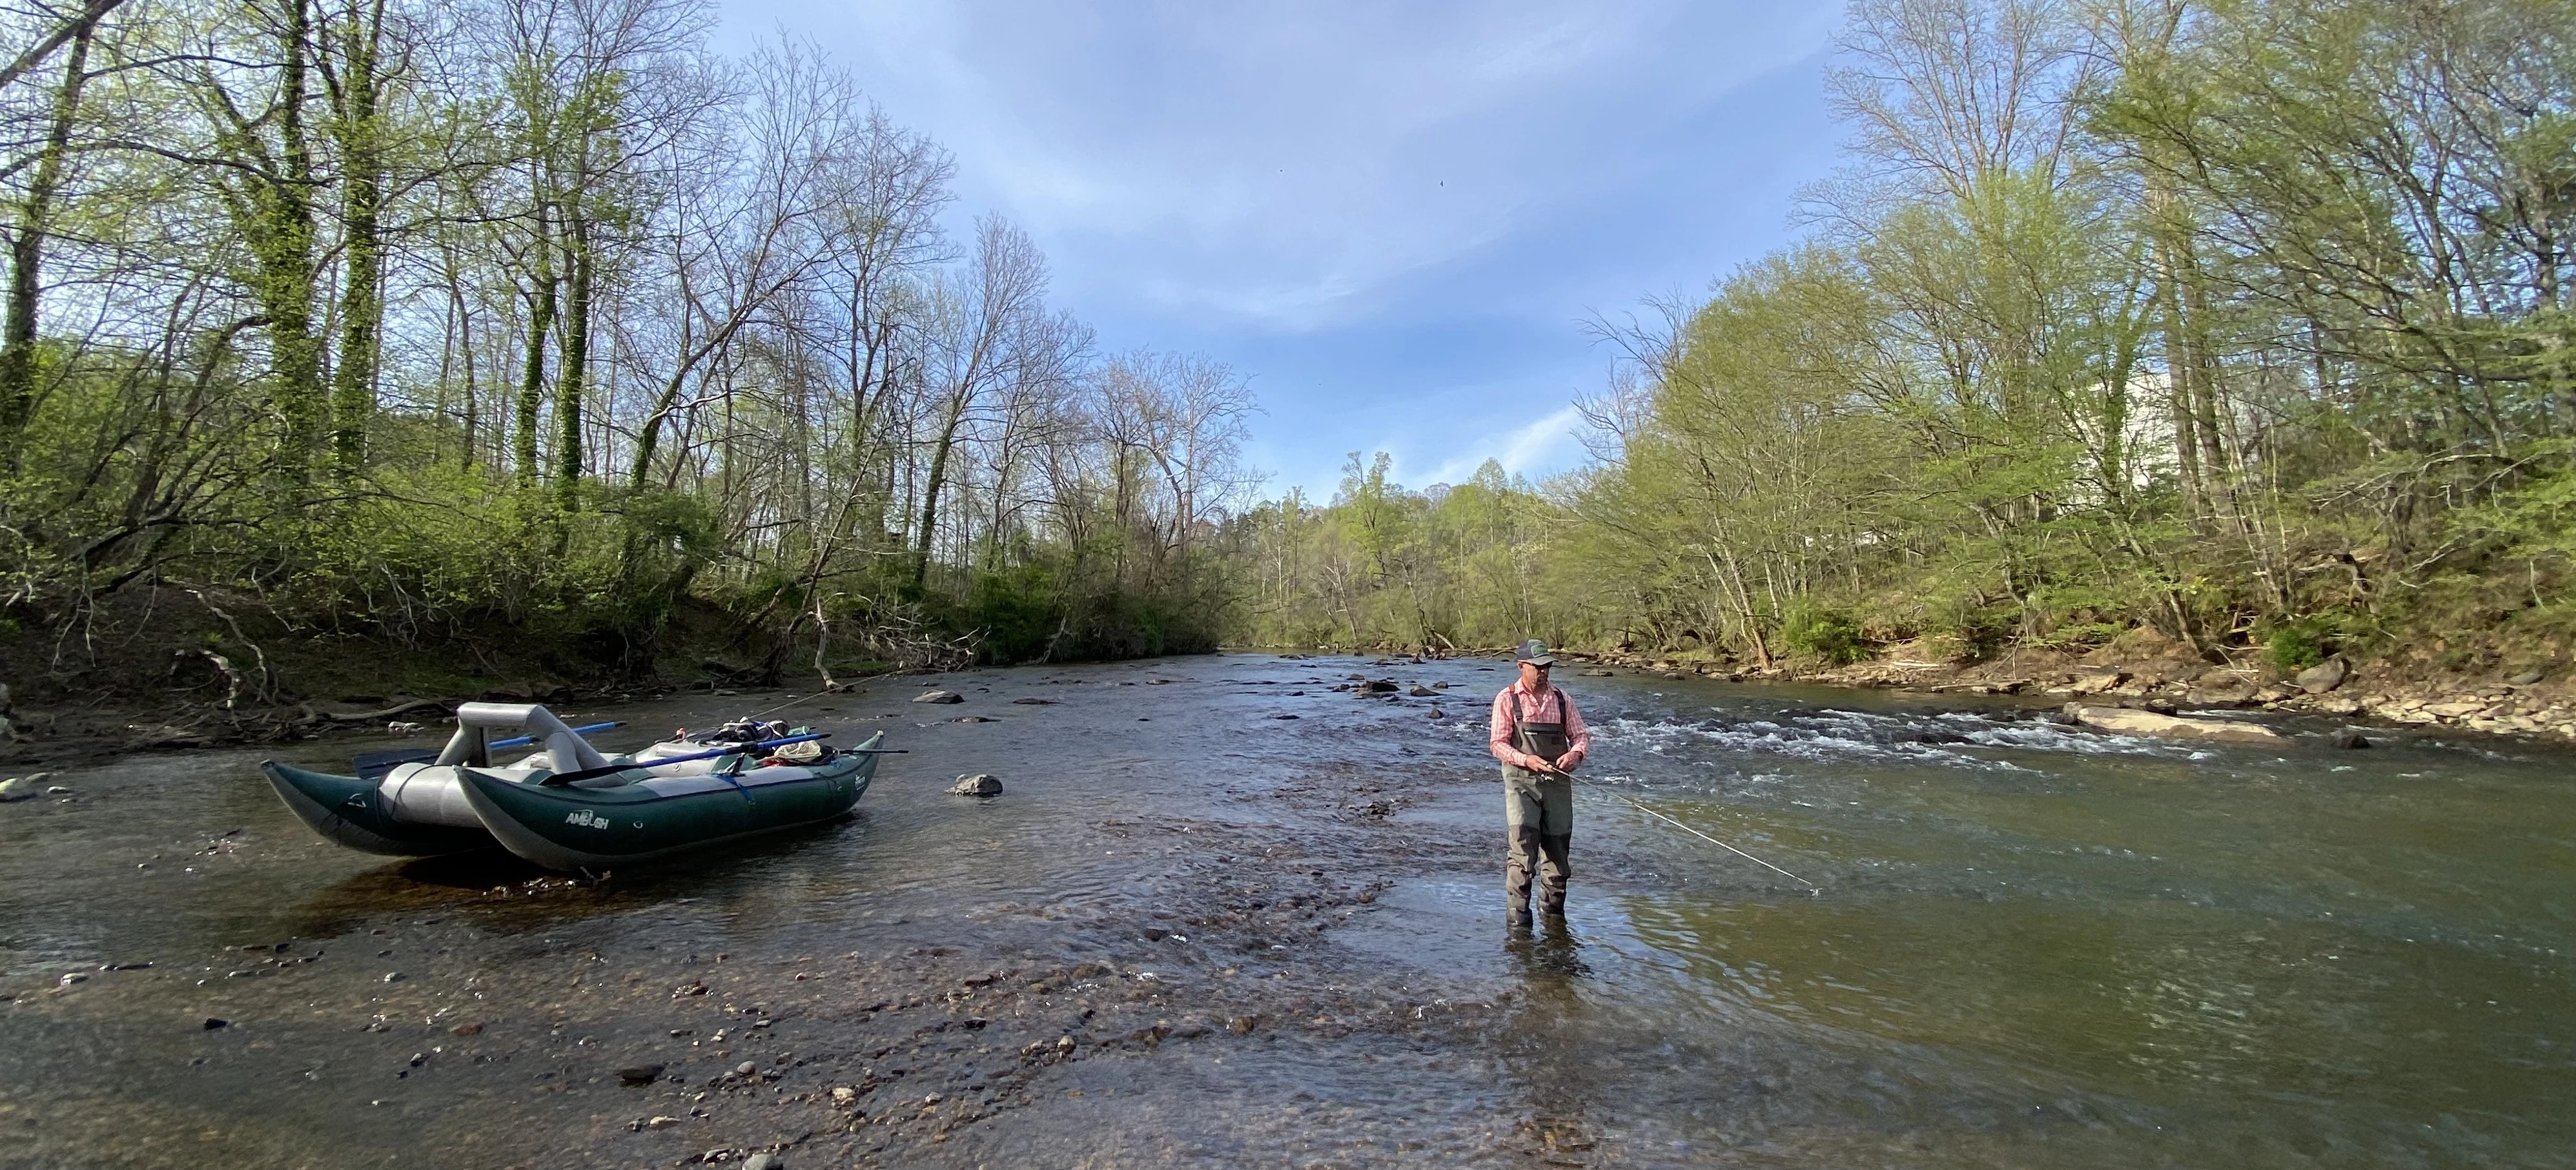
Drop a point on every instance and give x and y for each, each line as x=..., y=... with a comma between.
x=1283, y=717
x=213, y=1023
x=843, y=1094
x=472, y=1029
x=762, y=1162
x=976, y=785
x=661, y=1123
x=57, y=790
x=974, y=719
x=939, y=697
x=393, y=976
x=1035, y=702
x=2527, y=677
x=71, y=978
x=2352, y=740
x=640, y=1074
x=745, y=1069
x=1422, y=692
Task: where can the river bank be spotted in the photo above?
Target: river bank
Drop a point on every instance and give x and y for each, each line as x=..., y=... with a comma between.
x=2395, y=691
x=1224, y=914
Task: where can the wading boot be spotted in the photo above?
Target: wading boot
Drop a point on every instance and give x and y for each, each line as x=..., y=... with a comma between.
x=1517, y=917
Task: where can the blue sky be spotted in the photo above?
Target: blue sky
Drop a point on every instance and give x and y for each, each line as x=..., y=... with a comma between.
x=1392, y=218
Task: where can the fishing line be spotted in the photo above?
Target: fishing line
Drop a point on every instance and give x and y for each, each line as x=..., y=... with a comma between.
x=1812, y=888
x=794, y=701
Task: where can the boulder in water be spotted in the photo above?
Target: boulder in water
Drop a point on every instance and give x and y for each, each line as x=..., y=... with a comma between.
x=939, y=697
x=2127, y=721
x=1423, y=692
x=977, y=785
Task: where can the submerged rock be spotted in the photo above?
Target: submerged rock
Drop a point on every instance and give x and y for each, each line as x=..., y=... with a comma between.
x=939, y=697
x=976, y=785
x=1423, y=692
x=2352, y=740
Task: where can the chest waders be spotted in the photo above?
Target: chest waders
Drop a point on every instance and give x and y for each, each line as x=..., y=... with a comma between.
x=1538, y=812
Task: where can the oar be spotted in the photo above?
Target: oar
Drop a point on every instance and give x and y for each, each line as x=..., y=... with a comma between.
x=1812, y=887
x=525, y=740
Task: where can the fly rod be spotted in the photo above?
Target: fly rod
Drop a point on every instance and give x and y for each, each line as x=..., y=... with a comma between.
x=1812, y=888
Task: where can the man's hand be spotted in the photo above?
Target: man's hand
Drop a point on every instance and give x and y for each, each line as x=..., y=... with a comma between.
x=1568, y=762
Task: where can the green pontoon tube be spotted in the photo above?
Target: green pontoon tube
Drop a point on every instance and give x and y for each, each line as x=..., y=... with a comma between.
x=566, y=806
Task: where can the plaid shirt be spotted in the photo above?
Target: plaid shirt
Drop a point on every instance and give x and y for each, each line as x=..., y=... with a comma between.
x=1507, y=721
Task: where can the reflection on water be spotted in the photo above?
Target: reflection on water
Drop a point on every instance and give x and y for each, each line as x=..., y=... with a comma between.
x=2036, y=946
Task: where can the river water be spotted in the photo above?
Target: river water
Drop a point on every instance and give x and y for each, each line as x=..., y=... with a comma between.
x=1195, y=932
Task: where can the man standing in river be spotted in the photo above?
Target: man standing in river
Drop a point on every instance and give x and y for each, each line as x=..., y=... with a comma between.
x=1540, y=738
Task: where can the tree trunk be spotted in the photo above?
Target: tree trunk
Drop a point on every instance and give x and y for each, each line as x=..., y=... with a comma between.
x=532, y=376
x=26, y=254
x=277, y=214
x=930, y=491
x=576, y=365
x=362, y=310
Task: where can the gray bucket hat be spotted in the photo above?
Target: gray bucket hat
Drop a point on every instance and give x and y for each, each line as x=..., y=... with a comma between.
x=1535, y=651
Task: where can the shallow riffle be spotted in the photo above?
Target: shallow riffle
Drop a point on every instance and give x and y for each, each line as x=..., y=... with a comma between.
x=1192, y=933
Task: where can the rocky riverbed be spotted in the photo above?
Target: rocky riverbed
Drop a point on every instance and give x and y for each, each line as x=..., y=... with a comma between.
x=2522, y=702
x=1223, y=913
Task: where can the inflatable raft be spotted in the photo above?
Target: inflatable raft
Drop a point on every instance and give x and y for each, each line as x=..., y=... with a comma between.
x=566, y=806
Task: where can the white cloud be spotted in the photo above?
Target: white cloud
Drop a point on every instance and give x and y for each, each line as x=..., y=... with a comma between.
x=1533, y=448
x=1392, y=215
x=1283, y=167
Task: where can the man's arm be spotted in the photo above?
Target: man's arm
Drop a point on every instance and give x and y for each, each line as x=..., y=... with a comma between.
x=1577, y=734
x=1498, y=738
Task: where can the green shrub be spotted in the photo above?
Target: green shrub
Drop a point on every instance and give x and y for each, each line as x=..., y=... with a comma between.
x=2300, y=642
x=1830, y=634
